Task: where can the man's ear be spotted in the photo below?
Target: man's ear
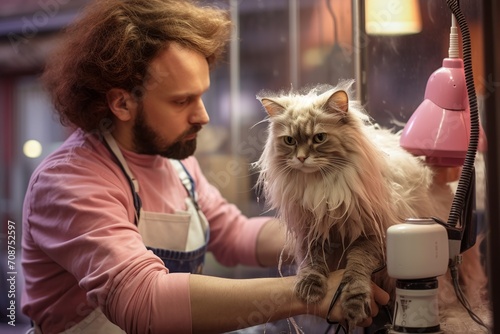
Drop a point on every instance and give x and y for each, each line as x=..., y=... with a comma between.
x=121, y=103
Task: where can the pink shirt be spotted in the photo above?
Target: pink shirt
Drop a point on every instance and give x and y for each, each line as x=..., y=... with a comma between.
x=81, y=248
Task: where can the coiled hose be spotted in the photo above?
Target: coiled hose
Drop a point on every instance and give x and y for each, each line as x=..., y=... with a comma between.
x=468, y=166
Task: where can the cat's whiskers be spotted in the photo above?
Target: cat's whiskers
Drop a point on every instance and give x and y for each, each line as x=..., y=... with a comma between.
x=265, y=120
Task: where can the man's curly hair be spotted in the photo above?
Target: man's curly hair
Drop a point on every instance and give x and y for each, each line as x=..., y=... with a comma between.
x=112, y=45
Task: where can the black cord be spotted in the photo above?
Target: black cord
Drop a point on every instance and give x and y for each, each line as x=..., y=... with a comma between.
x=468, y=166
x=467, y=175
x=332, y=304
x=462, y=299
x=335, y=299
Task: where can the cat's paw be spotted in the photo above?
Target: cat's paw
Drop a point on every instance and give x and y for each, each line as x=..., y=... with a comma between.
x=311, y=287
x=356, y=303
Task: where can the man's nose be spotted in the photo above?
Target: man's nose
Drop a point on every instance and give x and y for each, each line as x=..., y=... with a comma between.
x=200, y=115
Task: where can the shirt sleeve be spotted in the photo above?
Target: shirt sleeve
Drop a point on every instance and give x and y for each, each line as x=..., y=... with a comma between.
x=82, y=223
x=233, y=236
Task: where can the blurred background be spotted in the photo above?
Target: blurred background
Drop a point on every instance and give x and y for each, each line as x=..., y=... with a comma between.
x=277, y=44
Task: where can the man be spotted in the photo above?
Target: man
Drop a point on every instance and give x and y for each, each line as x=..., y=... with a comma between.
x=114, y=229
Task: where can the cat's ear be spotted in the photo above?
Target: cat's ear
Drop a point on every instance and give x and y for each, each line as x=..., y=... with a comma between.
x=338, y=101
x=272, y=108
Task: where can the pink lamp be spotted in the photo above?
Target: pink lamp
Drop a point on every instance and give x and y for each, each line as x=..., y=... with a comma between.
x=439, y=129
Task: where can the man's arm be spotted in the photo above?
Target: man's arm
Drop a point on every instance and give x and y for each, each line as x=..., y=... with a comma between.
x=219, y=305
x=271, y=243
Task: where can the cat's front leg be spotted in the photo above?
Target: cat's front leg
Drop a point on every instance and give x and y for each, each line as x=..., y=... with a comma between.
x=363, y=258
x=312, y=272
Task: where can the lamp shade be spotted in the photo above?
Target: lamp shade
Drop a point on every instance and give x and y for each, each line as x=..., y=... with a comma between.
x=439, y=129
x=396, y=17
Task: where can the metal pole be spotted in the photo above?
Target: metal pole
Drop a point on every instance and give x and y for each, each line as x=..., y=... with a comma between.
x=359, y=48
x=294, y=24
x=234, y=75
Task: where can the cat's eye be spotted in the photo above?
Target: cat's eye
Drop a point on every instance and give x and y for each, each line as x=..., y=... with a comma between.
x=319, y=138
x=289, y=140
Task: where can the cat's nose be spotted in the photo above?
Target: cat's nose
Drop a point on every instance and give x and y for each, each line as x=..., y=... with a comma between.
x=302, y=159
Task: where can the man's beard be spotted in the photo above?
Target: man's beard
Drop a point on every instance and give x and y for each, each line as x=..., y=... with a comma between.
x=147, y=141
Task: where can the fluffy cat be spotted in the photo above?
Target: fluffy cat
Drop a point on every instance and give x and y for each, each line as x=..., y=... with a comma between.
x=338, y=181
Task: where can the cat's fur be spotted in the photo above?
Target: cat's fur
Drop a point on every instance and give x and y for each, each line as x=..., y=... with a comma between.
x=338, y=181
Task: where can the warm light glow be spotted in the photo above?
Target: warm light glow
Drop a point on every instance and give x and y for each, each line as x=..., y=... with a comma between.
x=32, y=148
x=392, y=17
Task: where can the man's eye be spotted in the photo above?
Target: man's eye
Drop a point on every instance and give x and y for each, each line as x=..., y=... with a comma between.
x=289, y=140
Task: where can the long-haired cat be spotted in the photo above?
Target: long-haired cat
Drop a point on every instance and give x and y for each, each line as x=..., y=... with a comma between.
x=338, y=181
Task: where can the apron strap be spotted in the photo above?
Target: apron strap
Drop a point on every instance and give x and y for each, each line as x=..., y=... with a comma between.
x=188, y=182
x=118, y=155
x=186, y=179
x=112, y=146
